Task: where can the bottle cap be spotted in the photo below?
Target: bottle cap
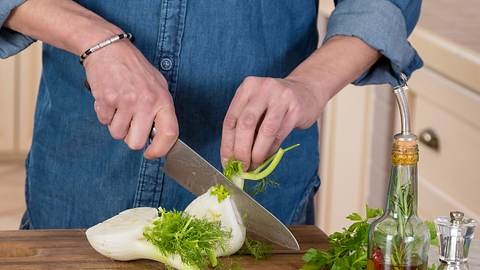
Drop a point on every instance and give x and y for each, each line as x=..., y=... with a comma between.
x=404, y=152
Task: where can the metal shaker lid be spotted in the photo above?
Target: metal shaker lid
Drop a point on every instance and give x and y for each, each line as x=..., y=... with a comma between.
x=456, y=219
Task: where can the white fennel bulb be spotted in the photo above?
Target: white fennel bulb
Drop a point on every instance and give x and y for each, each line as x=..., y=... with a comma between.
x=121, y=238
x=217, y=205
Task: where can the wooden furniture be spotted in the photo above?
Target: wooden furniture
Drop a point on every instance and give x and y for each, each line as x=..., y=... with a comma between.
x=19, y=79
x=445, y=100
x=69, y=249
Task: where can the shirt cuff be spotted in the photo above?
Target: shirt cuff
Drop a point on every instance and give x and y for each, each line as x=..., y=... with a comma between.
x=11, y=42
x=381, y=25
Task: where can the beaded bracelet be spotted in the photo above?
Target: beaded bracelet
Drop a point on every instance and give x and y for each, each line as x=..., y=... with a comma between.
x=104, y=44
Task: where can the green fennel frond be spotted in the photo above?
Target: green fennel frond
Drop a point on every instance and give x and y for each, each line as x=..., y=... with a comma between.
x=194, y=240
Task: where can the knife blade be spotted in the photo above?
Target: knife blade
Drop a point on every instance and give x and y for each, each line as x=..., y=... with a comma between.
x=195, y=174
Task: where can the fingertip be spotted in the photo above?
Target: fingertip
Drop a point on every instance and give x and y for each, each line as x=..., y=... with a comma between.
x=224, y=161
x=246, y=166
x=150, y=153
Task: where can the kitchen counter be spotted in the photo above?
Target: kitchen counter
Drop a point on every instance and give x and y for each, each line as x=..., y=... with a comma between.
x=69, y=249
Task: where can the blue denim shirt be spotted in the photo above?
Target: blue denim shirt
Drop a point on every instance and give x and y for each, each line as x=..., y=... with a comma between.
x=77, y=175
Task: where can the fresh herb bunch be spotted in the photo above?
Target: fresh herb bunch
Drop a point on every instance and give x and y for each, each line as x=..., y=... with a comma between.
x=348, y=248
x=194, y=240
x=235, y=172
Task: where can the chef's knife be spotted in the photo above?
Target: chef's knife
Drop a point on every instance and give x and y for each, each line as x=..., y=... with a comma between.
x=195, y=174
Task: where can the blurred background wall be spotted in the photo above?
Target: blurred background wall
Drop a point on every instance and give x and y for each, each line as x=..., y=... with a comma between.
x=356, y=128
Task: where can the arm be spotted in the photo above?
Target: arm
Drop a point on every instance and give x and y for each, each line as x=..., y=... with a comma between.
x=130, y=94
x=366, y=43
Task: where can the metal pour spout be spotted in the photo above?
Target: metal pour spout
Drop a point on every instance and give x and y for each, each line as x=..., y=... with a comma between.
x=403, y=107
x=402, y=102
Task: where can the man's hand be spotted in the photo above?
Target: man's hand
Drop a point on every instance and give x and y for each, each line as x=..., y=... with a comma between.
x=265, y=110
x=131, y=95
x=262, y=113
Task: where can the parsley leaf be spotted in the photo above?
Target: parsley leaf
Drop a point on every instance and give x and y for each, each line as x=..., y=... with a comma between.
x=348, y=248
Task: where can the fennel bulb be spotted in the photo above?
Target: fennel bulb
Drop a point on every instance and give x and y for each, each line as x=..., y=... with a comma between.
x=216, y=205
x=209, y=227
x=121, y=238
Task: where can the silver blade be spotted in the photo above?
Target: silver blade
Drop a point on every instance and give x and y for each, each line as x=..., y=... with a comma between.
x=197, y=175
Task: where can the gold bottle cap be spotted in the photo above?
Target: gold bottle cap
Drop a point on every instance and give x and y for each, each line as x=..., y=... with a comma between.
x=404, y=152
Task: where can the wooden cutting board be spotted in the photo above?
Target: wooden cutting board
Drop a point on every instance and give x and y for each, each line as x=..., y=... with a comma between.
x=69, y=249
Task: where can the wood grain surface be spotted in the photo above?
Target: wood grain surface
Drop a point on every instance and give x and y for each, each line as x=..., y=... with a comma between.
x=69, y=249
x=456, y=21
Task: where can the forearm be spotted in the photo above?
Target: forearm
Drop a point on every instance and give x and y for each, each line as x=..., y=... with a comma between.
x=331, y=67
x=63, y=24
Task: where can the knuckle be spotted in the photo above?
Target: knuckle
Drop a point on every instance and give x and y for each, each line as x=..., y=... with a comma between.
x=166, y=107
x=110, y=97
x=249, y=80
x=287, y=94
x=269, y=81
x=102, y=119
x=296, y=111
x=149, y=98
x=230, y=121
x=248, y=120
x=269, y=129
x=170, y=132
x=130, y=98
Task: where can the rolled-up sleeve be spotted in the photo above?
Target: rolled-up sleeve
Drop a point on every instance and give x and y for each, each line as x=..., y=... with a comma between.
x=11, y=42
x=384, y=25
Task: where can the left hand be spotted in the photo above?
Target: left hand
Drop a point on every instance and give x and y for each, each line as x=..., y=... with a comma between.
x=262, y=114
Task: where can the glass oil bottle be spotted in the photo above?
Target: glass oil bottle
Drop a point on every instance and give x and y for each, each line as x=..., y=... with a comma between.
x=399, y=240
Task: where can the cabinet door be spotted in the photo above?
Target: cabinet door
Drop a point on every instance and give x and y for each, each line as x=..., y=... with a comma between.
x=448, y=173
x=8, y=85
x=30, y=70
x=19, y=77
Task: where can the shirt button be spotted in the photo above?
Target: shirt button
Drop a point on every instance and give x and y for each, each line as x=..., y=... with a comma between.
x=166, y=64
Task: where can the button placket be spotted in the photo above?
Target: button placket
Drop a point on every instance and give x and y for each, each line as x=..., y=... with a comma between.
x=172, y=17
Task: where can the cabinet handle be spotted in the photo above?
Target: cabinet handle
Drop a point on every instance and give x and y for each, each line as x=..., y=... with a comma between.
x=429, y=138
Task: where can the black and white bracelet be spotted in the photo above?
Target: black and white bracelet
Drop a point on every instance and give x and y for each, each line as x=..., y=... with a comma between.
x=104, y=44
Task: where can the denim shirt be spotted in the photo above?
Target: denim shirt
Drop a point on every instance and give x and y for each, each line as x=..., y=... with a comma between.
x=77, y=175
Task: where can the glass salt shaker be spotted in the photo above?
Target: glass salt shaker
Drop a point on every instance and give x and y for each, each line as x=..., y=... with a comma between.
x=455, y=235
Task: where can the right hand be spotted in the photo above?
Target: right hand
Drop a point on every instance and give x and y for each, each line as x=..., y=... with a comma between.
x=130, y=96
